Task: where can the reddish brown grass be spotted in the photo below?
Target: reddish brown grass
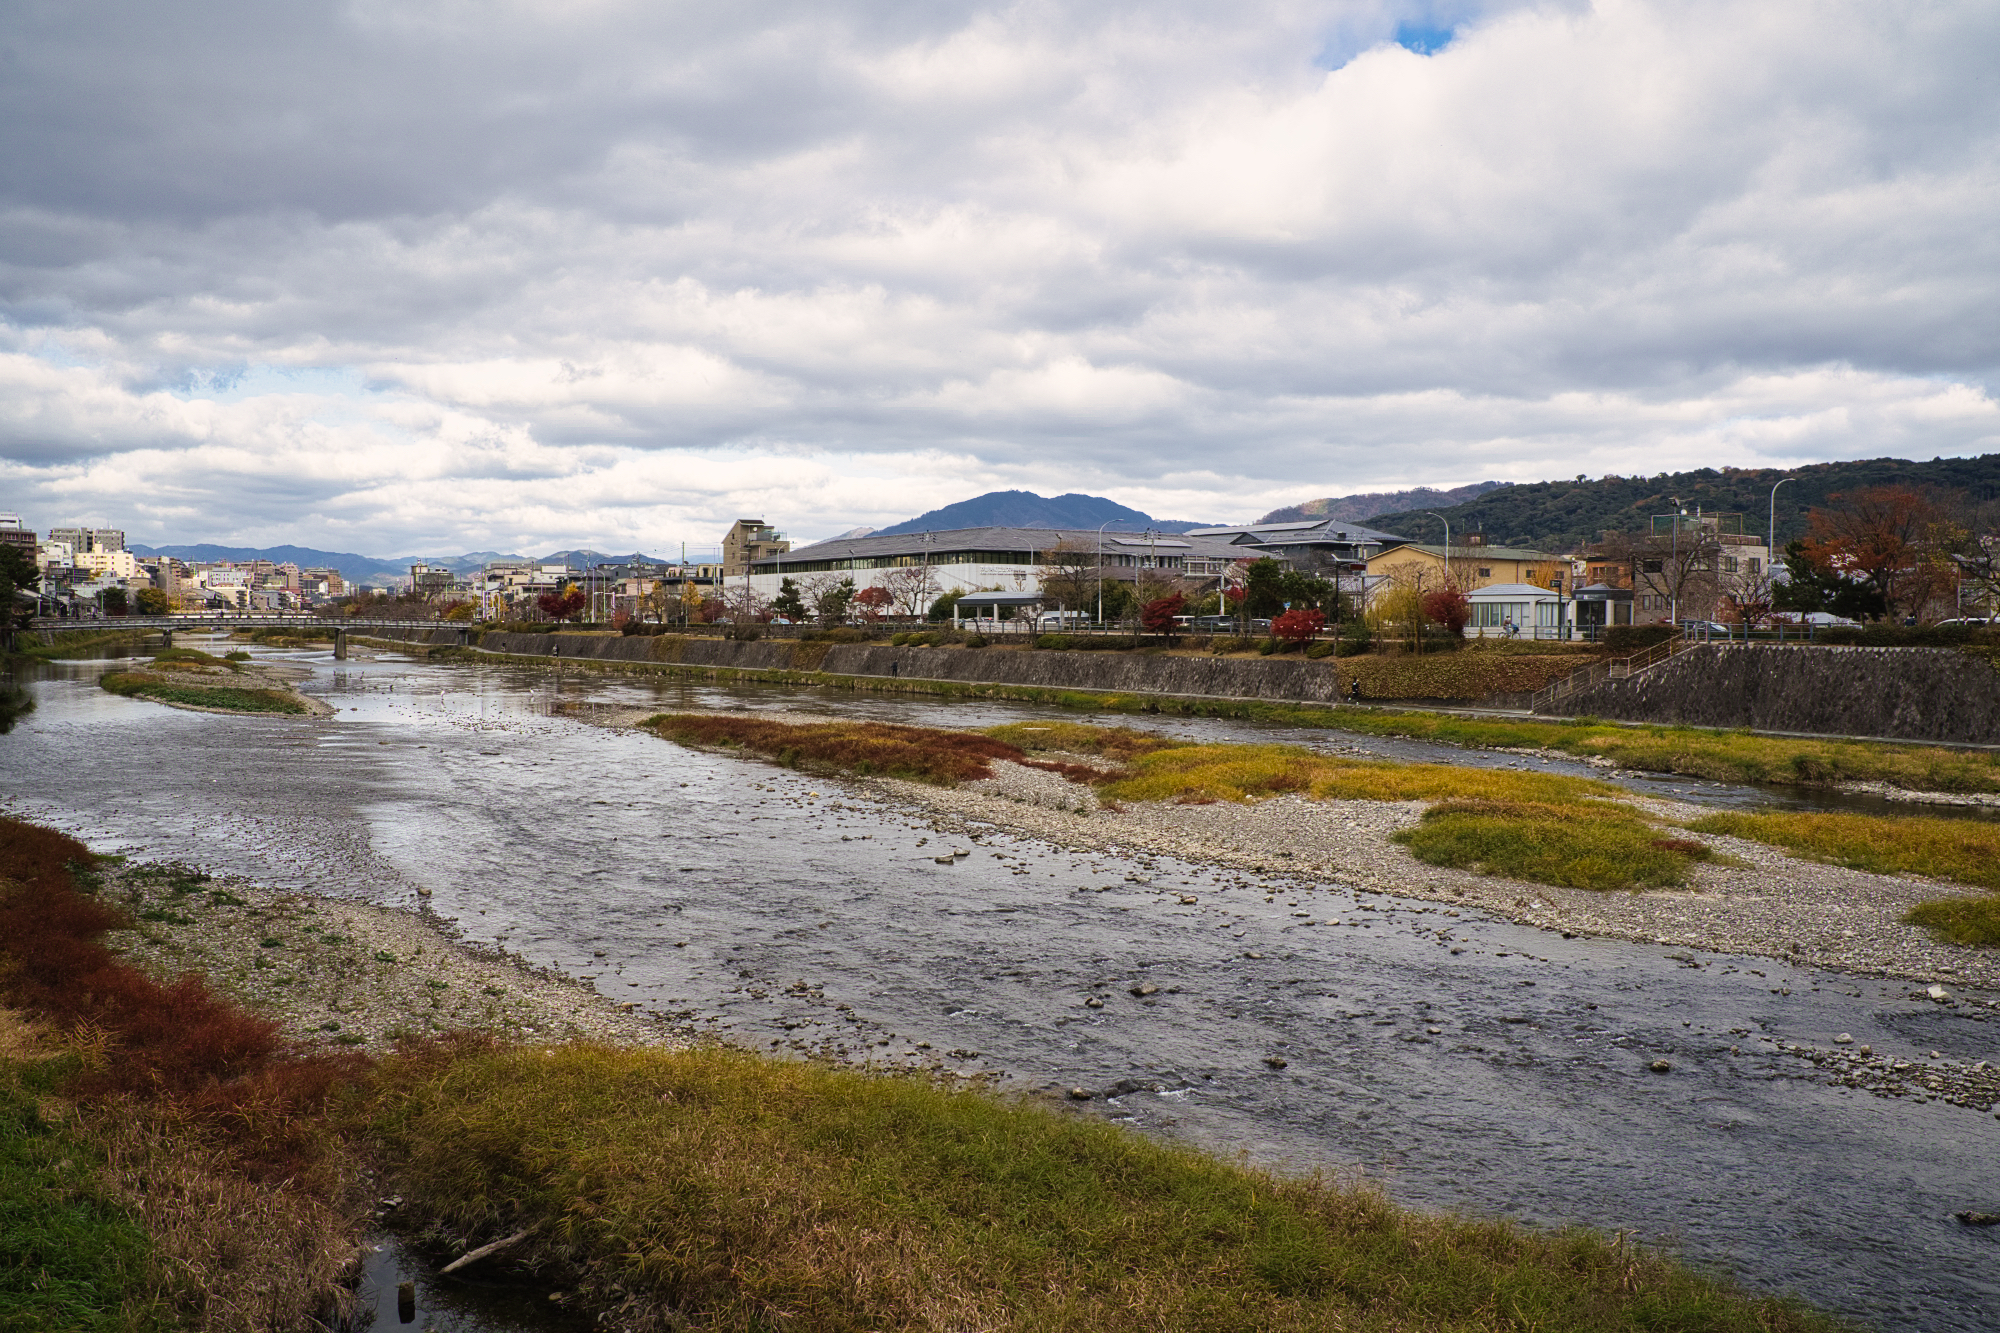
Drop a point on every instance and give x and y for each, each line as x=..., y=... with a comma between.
x=178, y=1041
x=924, y=754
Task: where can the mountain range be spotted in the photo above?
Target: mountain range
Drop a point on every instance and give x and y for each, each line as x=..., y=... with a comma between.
x=1025, y=509
x=1361, y=508
x=368, y=569
x=1563, y=515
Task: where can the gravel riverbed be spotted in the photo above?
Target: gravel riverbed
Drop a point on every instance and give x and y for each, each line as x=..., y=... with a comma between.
x=337, y=973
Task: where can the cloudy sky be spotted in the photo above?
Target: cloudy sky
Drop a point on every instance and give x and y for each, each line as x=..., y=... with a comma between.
x=406, y=276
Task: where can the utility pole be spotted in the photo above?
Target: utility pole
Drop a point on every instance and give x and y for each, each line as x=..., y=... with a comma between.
x=1674, y=563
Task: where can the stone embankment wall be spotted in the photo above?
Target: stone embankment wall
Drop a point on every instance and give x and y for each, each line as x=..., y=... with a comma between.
x=1290, y=678
x=1919, y=694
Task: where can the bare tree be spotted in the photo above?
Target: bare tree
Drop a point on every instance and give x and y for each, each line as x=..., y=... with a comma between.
x=1679, y=569
x=911, y=589
x=1070, y=573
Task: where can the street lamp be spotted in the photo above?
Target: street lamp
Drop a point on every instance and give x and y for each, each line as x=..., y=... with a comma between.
x=1674, y=562
x=1100, y=569
x=1447, y=541
x=1771, y=537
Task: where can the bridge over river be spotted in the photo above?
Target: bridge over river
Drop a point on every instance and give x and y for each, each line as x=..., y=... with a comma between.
x=226, y=622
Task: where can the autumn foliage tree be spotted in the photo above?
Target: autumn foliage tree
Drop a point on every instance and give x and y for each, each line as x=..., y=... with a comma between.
x=1449, y=607
x=1896, y=547
x=871, y=601
x=1297, y=626
x=563, y=605
x=1157, y=616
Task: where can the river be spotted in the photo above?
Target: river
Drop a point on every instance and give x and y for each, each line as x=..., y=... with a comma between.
x=752, y=902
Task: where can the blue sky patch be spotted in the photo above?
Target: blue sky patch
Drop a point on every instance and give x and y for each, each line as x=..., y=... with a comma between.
x=1423, y=38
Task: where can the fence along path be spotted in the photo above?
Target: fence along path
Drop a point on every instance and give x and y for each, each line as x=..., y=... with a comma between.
x=1618, y=668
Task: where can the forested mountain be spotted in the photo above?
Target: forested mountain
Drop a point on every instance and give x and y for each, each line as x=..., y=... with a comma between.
x=1025, y=509
x=1562, y=515
x=1361, y=508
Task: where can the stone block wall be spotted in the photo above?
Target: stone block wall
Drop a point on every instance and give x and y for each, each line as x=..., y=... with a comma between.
x=1918, y=694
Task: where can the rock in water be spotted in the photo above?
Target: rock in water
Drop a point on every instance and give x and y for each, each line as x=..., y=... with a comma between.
x=1145, y=988
x=1276, y=1061
x=1844, y=1039
x=1660, y=1067
x=1973, y=1219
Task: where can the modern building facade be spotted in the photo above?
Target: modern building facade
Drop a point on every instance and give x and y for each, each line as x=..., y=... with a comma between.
x=997, y=559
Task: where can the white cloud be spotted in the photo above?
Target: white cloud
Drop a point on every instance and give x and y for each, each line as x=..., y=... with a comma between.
x=615, y=274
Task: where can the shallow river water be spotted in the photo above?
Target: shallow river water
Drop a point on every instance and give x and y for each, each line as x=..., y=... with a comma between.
x=752, y=902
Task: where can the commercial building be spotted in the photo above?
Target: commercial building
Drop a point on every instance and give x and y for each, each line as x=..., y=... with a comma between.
x=921, y=566
x=1471, y=564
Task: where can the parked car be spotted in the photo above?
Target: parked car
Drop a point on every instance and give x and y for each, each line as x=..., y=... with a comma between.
x=1214, y=624
x=1707, y=627
x=1060, y=619
x=1968, y=622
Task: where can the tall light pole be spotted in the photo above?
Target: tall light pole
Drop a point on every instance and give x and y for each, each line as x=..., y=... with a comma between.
x=1447, y=541
x=1100, y=569
x=1674, y=563
x=1771, y=537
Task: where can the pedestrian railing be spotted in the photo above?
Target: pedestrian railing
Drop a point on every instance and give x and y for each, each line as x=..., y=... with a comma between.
x=1618, y=668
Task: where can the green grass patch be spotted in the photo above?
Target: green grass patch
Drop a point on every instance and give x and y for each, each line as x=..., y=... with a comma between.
x=1582, y=845
x=196, y=658
x=71, y=1259
x=924, y=754
x=230, y=698
x=1197, y=774
x=1722, y=756
x=77, y=643
x=742, y=1192
x=1969, y=921
x=1964, y=850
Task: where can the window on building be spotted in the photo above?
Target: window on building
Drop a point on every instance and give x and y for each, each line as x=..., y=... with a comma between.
x=1729, y=564
x=1485, y=573
x=1652, y=566
x=1756, y=565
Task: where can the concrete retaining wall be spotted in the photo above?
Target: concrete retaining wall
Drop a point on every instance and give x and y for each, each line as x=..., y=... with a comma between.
x=1919, y=694
x=1292, y=678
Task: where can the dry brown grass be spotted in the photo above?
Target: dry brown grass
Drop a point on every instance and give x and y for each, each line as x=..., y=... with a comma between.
x=231, y=1254
x=923, y=754
x=718, y=1189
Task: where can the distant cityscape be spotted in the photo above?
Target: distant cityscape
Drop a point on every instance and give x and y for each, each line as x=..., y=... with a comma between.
x=1700, y=565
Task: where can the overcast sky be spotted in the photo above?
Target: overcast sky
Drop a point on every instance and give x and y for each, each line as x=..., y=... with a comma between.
x=406, y=276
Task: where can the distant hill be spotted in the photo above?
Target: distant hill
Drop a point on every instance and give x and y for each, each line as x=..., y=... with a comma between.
x=1025, y=509
x=367, y=568
x=1361, y=508
x=1562, y=515
x=354, y=568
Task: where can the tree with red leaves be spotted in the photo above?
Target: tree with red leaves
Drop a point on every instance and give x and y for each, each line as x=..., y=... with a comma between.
x=1890, y=540
x=562, y=605
x=1157, y=616
x=1296, y=627
x=870, y=601
x=1448, y=606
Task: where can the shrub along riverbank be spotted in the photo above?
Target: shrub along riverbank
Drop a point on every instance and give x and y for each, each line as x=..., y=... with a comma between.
x=167, y=1166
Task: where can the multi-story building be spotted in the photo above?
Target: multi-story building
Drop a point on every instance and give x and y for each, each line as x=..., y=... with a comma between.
x=81, y=541
x=748, y=541
x=13, y=534
x=1697, y=566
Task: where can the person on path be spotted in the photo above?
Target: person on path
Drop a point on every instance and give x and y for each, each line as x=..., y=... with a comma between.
x=1354, y=690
